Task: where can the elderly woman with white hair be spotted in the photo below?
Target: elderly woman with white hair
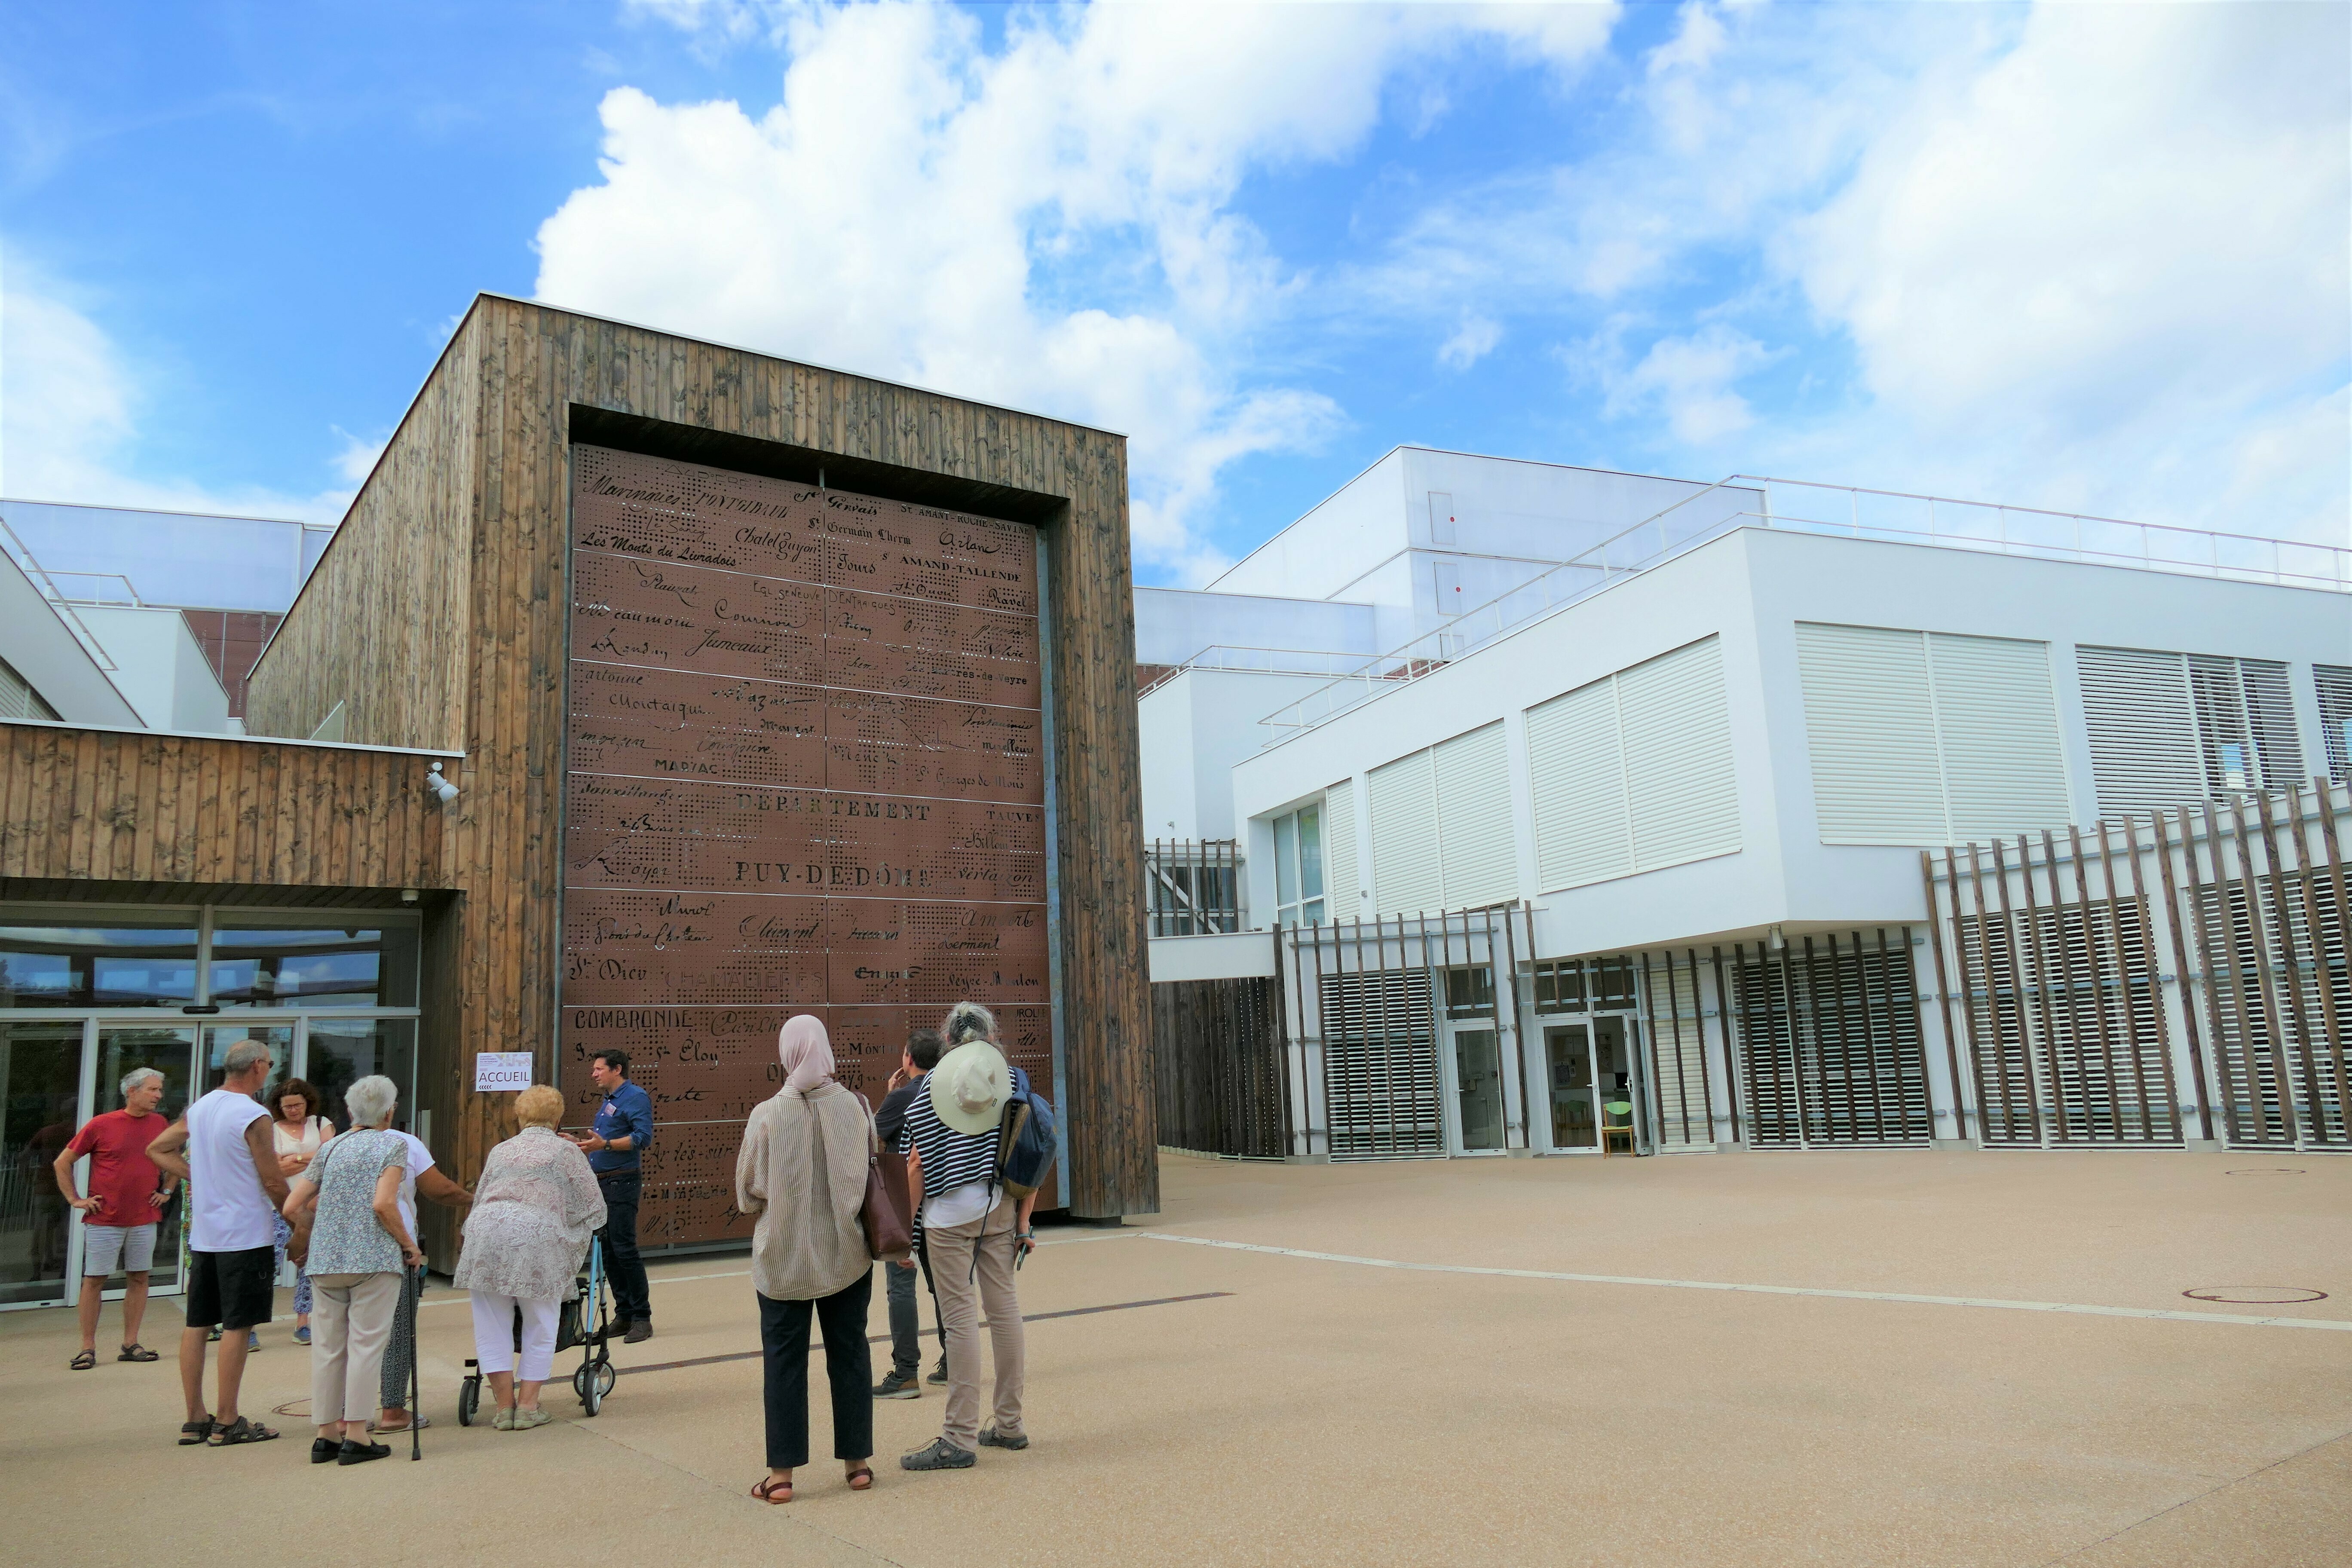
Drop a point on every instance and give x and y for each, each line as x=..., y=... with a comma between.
x=535, y=1210
x=350, y=1235
x=803, y=1171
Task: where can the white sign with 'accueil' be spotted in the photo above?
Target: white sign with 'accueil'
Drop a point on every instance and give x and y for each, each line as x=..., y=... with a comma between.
x=498, y=1071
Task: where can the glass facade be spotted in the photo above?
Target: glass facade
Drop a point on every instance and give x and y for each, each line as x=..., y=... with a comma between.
x=89, y=992
x=122, y=964
x=1298, y=867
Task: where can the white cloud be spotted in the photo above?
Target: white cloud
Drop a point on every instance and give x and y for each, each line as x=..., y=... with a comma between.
x=2114, y=268
x=2082, y=256
x=71, y=404
x=1471, y=342
x=1687, y=380
x=1047, y=225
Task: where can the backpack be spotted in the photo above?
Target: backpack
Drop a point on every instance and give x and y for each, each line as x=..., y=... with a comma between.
x=1025, y=1139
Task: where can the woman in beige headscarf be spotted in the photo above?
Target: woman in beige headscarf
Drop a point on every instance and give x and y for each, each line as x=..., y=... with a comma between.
x=802, y=1172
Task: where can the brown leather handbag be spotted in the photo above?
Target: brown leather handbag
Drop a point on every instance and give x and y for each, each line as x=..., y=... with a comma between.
x=890, y=1226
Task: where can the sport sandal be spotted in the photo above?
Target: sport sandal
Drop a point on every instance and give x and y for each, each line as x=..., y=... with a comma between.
x=244, y=1429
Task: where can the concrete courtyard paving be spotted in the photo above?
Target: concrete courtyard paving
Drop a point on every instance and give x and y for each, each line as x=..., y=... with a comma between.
x=1310, y=1410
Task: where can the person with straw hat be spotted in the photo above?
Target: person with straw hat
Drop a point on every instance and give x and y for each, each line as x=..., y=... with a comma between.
x=802, y=1171
x=974, y=1235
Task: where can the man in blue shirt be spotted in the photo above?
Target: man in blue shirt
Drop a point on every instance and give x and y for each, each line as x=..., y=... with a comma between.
x=623, y=1129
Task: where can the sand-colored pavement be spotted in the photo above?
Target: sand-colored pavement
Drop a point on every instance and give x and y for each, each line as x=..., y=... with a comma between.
x=1294, y=1409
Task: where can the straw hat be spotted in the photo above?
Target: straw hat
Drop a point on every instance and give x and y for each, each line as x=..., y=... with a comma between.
x=969, y=1087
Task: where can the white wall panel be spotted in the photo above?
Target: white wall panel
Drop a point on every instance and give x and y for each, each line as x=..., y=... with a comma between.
x=1680, y=784
x=1870, y=727
x=1577, y=775
x=1478, y=853
x=1997, y=718
x=1403, y=805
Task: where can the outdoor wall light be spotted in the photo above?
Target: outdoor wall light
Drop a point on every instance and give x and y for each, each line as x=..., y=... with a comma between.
x=442, y=788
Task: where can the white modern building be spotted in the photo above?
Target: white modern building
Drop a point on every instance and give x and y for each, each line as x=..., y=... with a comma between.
x=1709, y=731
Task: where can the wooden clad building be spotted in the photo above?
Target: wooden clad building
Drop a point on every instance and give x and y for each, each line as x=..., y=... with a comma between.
x=442, y=618
x=762, y=687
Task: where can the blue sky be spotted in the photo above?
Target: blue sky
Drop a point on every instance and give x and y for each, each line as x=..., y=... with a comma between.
x=2078, y=256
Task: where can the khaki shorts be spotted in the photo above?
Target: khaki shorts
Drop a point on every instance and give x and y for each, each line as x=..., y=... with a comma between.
x=105, y=1246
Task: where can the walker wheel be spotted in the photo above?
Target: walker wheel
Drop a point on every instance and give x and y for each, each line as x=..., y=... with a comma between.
x=591, y=1383
x=469, y=1400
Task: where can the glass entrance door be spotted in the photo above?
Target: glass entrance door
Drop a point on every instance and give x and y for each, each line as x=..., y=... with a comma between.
x=122, y=1048
x=1477, y=1088
x=1568, y=1050
x=40, y=1095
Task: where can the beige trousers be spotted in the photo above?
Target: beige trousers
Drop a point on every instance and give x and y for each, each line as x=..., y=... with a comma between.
x=350, y=1324
x=964, y=1291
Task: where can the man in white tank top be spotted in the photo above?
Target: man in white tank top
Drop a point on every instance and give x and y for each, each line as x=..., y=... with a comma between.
x=234, y=1189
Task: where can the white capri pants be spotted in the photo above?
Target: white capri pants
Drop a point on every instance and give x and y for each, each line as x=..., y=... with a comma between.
x=494, y=1334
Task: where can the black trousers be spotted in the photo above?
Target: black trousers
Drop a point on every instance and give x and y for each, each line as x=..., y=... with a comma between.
x=906, y=1320
x=623, y=1266
x=848, y=1373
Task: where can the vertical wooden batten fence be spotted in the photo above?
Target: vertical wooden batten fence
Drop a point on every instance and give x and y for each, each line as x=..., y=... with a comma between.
x=2076, y=1035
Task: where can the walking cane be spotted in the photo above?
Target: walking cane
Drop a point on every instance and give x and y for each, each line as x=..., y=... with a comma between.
x=416, y=1379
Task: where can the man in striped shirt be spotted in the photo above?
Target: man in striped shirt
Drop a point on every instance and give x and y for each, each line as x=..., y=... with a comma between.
x=972, y=1233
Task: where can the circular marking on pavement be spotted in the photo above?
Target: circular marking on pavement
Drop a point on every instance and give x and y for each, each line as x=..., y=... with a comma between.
x=2257, y=1295
x=2265, y=1170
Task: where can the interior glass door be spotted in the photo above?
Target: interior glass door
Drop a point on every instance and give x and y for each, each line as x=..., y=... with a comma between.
x=1478, y=1087
x=172, y=1051
x=1568, y=1049
x=40, y=1102
x=219, y=1038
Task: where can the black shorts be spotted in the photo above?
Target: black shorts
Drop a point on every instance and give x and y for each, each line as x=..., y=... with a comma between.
x=232, y=1289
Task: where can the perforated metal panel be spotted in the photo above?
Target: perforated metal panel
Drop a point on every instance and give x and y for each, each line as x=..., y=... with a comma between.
x=805, y=773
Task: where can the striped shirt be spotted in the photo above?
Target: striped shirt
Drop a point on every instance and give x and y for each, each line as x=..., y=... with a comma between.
x=950, y=1159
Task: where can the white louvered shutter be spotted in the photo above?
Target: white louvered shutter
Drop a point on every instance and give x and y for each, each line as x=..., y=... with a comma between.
x=1403, y=802
x=2004, y=768
x=1479, y=856
x=1870, y=726
x=2269, y=709
x=2334, y=682
x=1576, y=773
x=1339, y=884
x=1682, y=793
x=2143, y=729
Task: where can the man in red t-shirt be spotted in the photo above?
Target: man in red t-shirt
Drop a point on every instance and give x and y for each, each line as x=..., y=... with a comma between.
x=127, y=1195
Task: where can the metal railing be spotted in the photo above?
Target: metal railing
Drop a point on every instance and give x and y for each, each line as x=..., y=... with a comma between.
x=1798, y=506
x=46, y=581
x=1258, y=661
x=1193, y=886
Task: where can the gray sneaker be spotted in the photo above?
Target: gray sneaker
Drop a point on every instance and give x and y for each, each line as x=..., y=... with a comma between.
x=939, y=1373
x=898, y=1385
x=989, y=1437
x=939, y=1454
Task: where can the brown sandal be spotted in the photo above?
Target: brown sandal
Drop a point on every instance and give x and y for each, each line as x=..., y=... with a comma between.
x=84, y=1361
x=769, y=1490
x=137, y=1353
x=861, y=1477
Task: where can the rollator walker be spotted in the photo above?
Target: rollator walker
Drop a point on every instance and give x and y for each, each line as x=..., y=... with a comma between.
x=583, y=1324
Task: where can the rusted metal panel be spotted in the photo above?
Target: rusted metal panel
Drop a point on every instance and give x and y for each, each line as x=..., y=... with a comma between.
x=804, y=774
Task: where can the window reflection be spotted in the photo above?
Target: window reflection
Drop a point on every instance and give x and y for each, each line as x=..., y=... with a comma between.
x=118, y=965
x=281, y=966
x=346, y=1050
